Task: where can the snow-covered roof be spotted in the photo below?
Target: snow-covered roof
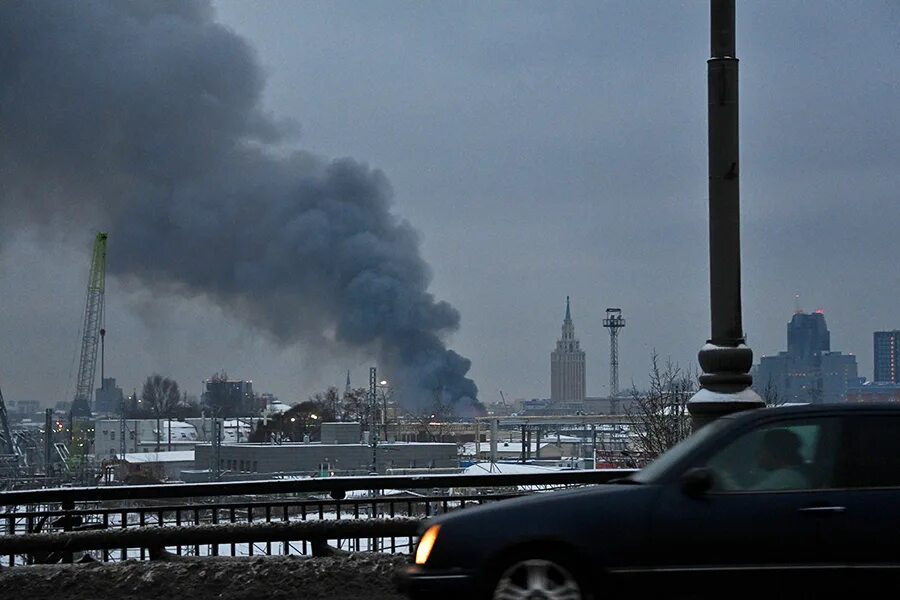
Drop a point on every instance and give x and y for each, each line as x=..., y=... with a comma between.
x=277, y=408
x=563, y=439
x=160, y=457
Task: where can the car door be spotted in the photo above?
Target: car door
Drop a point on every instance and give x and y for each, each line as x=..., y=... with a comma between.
x=757, y=522
x=865, y=521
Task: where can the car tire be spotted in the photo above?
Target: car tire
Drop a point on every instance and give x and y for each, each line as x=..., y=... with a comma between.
x=535, y=575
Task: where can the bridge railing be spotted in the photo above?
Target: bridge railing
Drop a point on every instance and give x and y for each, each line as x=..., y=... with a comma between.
x=245, y=518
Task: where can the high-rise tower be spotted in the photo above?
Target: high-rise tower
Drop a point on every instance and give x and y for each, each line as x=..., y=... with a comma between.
x=887, y=356
x=809, y=372
x=567, y=365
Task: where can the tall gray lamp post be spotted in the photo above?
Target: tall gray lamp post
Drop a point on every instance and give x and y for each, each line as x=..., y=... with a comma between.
x=725, y=358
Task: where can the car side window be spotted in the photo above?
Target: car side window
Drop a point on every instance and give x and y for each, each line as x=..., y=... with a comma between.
x=870, y=455
x=789, y=455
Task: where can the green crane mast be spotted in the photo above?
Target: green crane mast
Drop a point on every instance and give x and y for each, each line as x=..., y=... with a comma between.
x=93, y=318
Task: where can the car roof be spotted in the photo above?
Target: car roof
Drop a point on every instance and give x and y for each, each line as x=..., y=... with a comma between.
x=817, y=409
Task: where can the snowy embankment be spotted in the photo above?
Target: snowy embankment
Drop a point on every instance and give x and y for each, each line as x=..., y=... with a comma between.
x=346, y=577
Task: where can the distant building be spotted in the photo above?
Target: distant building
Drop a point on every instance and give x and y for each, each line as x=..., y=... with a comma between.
x=141, y=436
x=108, y=398
x=340, y=453
x=567, y=377
x=874, y=392
x=18, y=410
x=887, y=356
x=809, y=372
x=618, y=405
x=230, y=397
x=153, y=467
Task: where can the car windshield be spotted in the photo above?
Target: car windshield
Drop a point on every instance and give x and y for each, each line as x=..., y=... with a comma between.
x=659, y=467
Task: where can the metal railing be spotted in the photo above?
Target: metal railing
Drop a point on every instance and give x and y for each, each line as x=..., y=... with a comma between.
x=245, y=518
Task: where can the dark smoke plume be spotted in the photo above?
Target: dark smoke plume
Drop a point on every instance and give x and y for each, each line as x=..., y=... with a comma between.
x=144, y=119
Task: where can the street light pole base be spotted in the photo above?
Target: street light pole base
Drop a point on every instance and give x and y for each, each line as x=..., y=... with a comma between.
x=725, y=384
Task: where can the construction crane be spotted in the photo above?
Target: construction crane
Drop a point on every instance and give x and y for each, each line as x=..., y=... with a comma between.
x=8, y=448
x=93, y=317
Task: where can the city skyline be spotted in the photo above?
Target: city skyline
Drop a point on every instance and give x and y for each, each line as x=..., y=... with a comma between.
x=535, y=151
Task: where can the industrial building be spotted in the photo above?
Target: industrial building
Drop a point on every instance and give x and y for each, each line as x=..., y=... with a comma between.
x=342, y=453
x=174, y=435
x=150, y=467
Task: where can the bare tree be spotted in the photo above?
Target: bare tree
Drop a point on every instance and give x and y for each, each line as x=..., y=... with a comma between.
x=161, y=398
x=770, y=394
x=659, y=417
x=354, y=405
x=432, y=425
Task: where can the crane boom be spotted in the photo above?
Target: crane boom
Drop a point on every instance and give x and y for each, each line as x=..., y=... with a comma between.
x=93, y=317
x=7, y=444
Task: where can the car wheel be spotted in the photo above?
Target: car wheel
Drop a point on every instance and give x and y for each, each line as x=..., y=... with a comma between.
x=538, y=578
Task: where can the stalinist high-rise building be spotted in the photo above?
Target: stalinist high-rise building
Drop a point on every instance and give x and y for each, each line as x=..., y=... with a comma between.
x=567, y=365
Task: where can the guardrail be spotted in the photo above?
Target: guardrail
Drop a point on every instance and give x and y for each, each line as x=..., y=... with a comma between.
x=305, y=516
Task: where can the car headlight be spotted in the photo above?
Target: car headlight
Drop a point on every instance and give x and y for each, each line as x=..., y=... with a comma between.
x=426, y=544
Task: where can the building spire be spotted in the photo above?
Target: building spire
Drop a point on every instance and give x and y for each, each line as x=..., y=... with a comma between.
x=567, y=365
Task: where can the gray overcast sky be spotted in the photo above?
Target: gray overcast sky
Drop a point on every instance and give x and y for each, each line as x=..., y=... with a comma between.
x=541, y=150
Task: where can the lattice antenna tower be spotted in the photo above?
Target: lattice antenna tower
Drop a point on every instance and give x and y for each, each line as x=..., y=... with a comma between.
x=614, y=321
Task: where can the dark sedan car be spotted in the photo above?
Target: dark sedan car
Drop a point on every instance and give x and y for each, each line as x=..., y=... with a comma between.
x=803, y=498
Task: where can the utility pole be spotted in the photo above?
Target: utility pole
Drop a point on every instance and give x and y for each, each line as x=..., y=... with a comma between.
x=48, y=441
x=373, y=421
x=216, y=448
x=123, y=431
x=725, y=358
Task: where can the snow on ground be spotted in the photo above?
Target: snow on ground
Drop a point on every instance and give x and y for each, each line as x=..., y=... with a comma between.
x=351, y=577
x=507, y=469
